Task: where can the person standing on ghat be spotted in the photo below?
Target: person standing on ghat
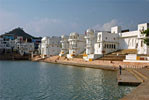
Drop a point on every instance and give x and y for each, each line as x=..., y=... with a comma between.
x=120, y=69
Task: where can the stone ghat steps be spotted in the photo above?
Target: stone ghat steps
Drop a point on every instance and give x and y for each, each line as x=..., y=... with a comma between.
x=113, y=58
x=131, y=77
x=79, y=56
x=144, y=72
x=127, y=78
x=126, y=51
x=118, y=55
x=142, y=91
x=131, y=66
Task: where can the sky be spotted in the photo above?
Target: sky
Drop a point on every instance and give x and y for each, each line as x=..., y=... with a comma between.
x=58, y=17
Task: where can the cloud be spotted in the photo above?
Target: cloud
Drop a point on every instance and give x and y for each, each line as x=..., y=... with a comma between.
x=107, y=26
x=36, y=26
x=45, y=26
x=50, y=27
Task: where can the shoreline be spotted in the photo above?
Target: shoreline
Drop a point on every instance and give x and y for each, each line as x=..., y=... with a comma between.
x=105, y=65
x=98, y=64
x=86, y=66
x=14, y=57
x=78, y=63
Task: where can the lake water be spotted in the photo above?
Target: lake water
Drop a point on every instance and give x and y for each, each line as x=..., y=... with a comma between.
x=25, y=80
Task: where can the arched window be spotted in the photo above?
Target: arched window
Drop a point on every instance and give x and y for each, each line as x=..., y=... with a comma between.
x=105, y=46
x=114, y=46
x=99, y=38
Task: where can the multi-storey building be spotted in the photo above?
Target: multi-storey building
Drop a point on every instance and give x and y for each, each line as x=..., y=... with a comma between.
x=76, y=44
x=50, y=46
x=91, y=38
x=64, y=45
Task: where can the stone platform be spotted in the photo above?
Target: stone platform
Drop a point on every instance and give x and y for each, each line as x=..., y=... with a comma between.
x=142, y=91
x=127, y=78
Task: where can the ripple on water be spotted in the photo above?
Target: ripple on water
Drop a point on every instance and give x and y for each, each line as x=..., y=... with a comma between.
x=26, y=80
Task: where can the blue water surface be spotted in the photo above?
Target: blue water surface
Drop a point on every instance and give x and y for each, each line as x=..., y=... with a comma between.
x=25, y=80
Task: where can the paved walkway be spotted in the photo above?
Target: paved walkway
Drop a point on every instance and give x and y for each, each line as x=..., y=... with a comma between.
x=142, y=91
x=127, y=78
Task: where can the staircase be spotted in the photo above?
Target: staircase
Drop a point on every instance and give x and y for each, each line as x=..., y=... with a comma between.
x=80, y=55
x=126, y=51
x=138, y=74
x=118, y=55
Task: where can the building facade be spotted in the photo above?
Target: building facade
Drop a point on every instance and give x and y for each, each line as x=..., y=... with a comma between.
x=50, y=46
x=91, y=39
x=142, y=48
x=117, y=39
x=64, y=45
x=76, y=44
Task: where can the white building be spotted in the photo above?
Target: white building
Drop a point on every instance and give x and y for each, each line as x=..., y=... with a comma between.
x=16, y=45
x=50, y=46
x=134, y=40
x=108, y=42
x=91, y=39
x=76, y=44
x=141, y=47
x=25, y=48
x=2, y=45
x=64, y=45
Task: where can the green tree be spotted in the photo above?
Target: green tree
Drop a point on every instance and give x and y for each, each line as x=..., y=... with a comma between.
x=146, y=39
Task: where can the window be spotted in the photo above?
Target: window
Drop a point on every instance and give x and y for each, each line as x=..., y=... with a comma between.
x=99, y=38
x=141, y=43
x=109, y=45
x=105, y=46
x=142, y=28
x=114, y=46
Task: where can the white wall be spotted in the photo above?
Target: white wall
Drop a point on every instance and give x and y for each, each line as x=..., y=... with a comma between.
x=50, y=46
x=76, y=45
x=106, y=43
x=116, y=29
x=91, y=39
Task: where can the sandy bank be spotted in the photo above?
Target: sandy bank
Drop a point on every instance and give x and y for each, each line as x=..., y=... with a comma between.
x=99, y=64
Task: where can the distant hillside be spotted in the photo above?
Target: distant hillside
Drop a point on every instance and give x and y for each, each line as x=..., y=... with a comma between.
x=18, y=32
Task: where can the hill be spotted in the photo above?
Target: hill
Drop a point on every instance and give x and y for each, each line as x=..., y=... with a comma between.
x=18, y=32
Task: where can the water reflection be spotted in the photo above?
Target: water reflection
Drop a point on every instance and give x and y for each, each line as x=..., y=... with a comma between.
x=44, y=81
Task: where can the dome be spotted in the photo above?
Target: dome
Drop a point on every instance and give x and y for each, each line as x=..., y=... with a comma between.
x=64, y=36
x=74, y=34
x=44, y=38
x=90, y=31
